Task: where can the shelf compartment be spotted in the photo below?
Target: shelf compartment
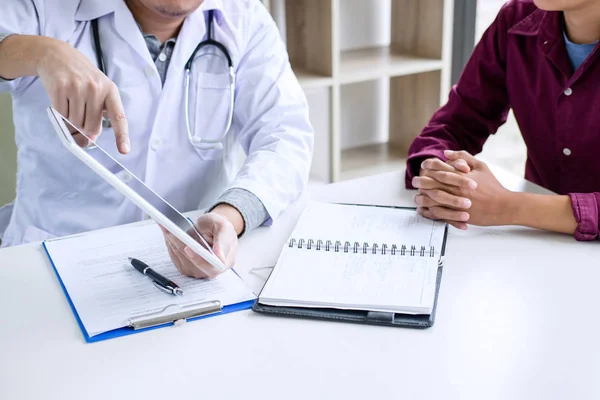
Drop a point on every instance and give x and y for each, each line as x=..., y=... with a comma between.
x=413, y=101
x=371, y=160
x=381, y=62
x=418, y=27
x=309, y=35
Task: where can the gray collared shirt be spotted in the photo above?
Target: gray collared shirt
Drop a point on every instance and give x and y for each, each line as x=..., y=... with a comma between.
x=161, y=53
x=250, y=207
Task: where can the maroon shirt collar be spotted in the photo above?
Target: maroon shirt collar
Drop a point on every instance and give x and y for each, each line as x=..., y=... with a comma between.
x=534, y=22
x=548, y=27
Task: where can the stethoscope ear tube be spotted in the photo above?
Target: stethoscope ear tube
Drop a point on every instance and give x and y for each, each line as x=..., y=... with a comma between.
x=106, y=123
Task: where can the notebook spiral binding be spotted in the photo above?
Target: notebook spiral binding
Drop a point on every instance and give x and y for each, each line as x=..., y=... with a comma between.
x=365, y=248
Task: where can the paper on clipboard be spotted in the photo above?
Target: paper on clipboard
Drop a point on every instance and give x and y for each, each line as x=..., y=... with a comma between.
x=108, y=293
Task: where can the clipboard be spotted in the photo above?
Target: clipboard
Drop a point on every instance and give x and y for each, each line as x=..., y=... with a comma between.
x=170, y=315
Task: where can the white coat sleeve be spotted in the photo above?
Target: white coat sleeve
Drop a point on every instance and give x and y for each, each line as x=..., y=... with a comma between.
x=19, y=17
x=271, y=112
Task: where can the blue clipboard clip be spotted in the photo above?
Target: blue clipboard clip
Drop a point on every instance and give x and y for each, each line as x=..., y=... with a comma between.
x=178, y=316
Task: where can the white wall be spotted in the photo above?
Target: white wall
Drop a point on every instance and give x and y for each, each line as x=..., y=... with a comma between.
x=319, y=101
x=8, y=157
x=364, y=23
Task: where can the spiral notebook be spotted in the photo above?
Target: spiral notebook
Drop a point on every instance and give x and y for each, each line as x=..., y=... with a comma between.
x=359, y=263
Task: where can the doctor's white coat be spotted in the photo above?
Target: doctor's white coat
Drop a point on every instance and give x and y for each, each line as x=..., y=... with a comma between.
x=58, y=195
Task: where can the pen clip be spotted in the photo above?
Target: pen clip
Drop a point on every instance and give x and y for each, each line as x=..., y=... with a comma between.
x=164, y=289
x=169, y=289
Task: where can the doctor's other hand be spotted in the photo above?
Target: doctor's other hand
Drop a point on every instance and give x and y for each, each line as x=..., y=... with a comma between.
x=219, y=233
x=81, y=93
x=486, y=203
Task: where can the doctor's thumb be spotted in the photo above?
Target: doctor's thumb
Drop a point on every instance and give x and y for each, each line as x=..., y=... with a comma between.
x=218, y=249
x=223, y=249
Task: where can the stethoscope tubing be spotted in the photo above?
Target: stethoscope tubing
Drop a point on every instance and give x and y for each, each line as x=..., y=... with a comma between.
x=196, y=141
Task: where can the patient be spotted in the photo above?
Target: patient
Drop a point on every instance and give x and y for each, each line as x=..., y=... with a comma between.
x=540, y=59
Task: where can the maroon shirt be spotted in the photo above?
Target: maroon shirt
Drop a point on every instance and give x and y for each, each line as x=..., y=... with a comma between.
x=522, y=63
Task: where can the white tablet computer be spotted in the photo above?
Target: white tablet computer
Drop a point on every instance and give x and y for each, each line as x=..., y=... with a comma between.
x=144, y=197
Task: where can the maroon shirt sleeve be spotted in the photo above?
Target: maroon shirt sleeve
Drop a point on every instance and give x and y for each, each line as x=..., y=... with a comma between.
x=477, y=105
x=585, y=210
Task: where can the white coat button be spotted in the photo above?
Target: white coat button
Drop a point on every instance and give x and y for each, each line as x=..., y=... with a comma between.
x=155, y=144
x=127, y=177
x=568, y=92
x=162, y=57
x=566, y=152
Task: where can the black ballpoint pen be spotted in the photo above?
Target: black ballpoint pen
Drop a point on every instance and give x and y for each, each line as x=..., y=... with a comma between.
x=160, y=281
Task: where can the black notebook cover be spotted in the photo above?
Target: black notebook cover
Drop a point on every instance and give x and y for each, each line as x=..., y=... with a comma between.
x=359, y=316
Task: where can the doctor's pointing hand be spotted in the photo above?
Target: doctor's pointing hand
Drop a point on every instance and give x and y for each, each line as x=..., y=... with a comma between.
x=78, y=90
x=199, y=100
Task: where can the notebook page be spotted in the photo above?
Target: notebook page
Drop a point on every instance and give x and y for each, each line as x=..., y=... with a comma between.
x=389, y=283
x=356, y=280
x=368, y=224
x=106, y=290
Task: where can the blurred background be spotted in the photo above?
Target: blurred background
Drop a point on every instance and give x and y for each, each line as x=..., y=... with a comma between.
x=373, y=70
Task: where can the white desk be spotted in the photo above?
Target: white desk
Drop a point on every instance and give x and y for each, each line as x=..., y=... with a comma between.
x=516, y=320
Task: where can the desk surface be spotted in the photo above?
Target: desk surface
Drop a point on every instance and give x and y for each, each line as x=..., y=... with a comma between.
x=516, y=320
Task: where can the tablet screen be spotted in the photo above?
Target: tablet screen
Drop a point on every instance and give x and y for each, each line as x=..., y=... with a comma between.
x=151, y=197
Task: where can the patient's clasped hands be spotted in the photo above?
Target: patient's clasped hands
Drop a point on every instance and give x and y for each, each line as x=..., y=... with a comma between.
x=462, y=191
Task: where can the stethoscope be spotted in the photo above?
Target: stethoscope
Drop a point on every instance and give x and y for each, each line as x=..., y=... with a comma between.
x=196, y=141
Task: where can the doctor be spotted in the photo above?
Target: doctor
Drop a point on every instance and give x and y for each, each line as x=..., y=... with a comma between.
x=236, y=141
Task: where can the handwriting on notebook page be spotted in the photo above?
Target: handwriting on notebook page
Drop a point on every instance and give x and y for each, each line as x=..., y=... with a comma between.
x=380, y=281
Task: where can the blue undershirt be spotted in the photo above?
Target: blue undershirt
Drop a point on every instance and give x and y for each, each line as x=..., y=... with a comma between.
x=578, y=52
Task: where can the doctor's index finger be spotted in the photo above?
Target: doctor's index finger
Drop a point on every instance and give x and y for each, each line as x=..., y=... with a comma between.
x=116, y=114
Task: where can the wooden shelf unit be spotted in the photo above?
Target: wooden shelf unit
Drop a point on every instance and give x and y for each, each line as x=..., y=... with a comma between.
x=416, y=63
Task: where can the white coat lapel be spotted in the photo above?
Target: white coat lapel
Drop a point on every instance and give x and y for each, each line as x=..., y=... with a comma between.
x=125, y=24
x=193, y=32
x=92, y=9
x=130, y=31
